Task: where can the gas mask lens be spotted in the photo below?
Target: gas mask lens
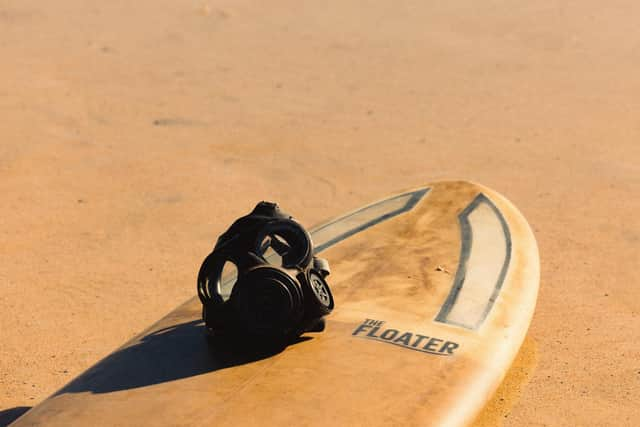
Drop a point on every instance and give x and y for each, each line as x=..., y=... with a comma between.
x=284, y=243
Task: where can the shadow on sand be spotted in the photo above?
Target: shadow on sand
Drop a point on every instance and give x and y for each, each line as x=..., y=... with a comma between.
x=180, y=351
x=7, y=416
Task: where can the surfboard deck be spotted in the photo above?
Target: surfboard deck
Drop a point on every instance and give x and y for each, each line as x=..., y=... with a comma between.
x=434, y=289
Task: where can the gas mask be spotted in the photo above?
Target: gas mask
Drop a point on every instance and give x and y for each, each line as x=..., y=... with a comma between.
x=280, y=290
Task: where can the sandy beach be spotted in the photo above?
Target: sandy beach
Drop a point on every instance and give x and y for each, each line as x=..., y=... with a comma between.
x=133, y=133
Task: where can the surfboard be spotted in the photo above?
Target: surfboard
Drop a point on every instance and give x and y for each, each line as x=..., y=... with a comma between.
x=434, y=289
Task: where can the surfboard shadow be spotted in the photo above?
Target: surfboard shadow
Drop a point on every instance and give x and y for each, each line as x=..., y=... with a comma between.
x=7, y=416
x=168, y=354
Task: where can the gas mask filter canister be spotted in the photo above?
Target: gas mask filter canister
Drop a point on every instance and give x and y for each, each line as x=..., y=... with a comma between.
x=280, y=290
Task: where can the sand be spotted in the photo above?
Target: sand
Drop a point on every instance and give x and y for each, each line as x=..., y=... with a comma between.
x=133, y=133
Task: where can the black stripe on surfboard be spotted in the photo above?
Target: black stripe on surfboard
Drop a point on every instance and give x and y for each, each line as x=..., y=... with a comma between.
x=459, y=281
x=413, y=198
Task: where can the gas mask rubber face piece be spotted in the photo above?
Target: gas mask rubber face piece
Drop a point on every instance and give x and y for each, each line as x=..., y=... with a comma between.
x=280, y=290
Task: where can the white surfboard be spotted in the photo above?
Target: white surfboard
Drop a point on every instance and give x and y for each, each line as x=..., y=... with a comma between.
x=434, y=290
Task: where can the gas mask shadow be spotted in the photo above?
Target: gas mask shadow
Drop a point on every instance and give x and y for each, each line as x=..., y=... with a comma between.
x=168, y=354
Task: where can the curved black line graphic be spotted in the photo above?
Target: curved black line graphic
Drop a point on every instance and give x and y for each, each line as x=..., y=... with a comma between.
x=415, y=197
x=467, y=240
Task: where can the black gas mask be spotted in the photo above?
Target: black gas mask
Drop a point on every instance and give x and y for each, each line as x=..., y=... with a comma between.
x=280, y=290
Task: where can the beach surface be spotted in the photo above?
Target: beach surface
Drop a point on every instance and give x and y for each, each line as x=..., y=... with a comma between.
x=133, y=133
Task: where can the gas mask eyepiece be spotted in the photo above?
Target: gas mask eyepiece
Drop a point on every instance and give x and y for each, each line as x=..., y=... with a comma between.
x=280, y=289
